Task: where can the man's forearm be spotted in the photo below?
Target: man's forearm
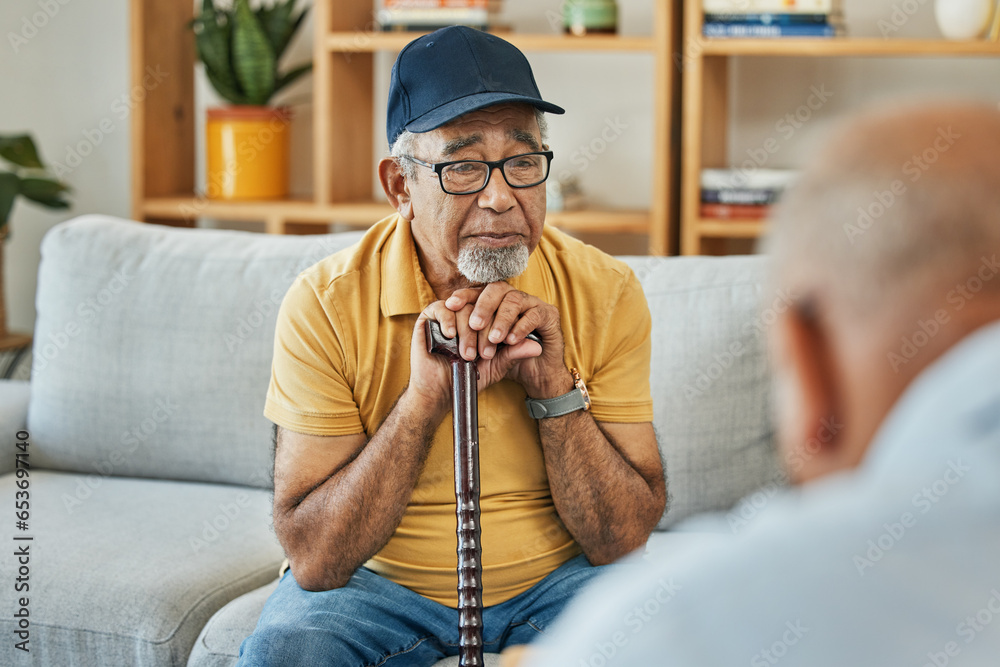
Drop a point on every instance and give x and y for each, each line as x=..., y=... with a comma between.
x=344, y=521
x=606, y=503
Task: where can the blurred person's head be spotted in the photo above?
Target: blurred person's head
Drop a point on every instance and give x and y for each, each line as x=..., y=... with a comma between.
x=889, y=247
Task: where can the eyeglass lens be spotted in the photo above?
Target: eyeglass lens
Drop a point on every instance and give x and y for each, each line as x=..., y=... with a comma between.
x=520, y=171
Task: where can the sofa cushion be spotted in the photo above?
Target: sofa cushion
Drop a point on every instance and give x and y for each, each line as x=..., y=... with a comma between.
x=128, y=571
x=709, y=378
x=152, y=347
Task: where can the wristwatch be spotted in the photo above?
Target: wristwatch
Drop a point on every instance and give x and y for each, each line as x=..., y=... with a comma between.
x=575, y=399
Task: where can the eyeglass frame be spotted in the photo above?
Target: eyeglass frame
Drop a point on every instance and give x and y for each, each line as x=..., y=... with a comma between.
x=439, y=167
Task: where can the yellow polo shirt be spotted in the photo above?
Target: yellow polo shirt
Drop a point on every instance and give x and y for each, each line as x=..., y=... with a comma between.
x=341, y=358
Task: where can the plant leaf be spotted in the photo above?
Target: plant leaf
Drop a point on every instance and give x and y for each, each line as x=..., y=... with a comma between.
x=253, y=59
x=290, y=76
x=222, y=86
x=213, y=36
x=44, y=191
x=20, y=150
x=278, y=24
x=8, y=191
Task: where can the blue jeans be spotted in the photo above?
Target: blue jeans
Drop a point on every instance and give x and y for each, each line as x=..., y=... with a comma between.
x=372, y=621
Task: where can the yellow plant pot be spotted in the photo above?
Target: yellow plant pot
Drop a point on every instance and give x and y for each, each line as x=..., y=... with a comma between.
x=247, y=152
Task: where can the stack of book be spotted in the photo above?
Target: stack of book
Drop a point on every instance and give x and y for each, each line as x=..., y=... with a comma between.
x=426, y=15
x=773, y=18
x=737, y=194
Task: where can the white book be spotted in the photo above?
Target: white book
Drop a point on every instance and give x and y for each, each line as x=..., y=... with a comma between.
x=757, y=179
x=433, y=17
x=771, y=6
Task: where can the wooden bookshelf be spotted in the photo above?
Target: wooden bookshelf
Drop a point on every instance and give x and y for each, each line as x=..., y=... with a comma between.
x=163, y=154
x=705, y=110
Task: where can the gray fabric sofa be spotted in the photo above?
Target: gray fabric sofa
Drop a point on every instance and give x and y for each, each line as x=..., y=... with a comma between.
x=150, y=462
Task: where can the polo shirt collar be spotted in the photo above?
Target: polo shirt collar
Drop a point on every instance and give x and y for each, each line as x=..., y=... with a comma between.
x=405, y=289
x=536, y=279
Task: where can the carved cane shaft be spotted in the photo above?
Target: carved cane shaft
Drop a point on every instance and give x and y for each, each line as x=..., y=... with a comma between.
x=470, y=569
x=465, y=410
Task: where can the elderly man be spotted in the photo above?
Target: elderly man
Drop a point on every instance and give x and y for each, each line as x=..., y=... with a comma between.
x=364, y=502
x=886, y=553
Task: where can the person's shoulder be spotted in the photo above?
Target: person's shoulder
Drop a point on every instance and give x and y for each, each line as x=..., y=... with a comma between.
x=348, y=264
x=575, y=258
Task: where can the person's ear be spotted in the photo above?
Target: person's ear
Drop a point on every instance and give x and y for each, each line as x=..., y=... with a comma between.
x=806, y=393
x=396, y=187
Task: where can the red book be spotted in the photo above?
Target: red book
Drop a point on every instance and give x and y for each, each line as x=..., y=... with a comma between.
x=735, y=211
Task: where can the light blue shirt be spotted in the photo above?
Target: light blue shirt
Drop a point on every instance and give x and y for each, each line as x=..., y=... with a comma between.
x=894, y=563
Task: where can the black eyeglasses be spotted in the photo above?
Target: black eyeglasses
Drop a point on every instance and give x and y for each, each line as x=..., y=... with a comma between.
x=466, y=177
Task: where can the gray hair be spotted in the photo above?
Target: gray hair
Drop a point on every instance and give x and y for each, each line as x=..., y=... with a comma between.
x=405, y=146
x=900, y=206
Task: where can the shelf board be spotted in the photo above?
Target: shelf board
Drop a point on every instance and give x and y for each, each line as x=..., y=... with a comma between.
x=294, y=210
x=743, y=229
x=846, y=46
x=14, y=341
x=625, y=221
x=359, y=41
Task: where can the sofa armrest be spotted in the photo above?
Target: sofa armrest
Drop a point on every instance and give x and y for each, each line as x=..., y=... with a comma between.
x=13, y=418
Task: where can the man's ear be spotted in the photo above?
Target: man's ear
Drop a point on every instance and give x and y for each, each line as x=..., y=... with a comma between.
x=806, y=397
x=396, y=187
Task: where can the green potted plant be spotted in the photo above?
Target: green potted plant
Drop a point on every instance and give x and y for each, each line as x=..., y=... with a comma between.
x=23, y=173
x=247, y=143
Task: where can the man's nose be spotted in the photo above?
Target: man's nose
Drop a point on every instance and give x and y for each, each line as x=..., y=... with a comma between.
x=497, y=195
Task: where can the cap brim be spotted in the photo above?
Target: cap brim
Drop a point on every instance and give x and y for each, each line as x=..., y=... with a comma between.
x=449, y=111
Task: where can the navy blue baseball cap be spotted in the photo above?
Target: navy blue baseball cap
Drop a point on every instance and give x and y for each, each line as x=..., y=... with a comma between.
x=452, y=71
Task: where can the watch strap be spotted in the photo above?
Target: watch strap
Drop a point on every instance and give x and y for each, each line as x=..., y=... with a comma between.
x=571, y=401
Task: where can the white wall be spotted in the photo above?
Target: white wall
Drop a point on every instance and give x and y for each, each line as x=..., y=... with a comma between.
x=62, y=83
x=60, y=86
x=764, y=90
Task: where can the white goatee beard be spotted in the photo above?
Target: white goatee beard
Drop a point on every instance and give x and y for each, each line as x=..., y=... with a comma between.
x=489, y=265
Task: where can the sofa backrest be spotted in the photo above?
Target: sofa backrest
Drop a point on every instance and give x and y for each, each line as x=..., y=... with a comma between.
x=710, y=378
x=153, y=347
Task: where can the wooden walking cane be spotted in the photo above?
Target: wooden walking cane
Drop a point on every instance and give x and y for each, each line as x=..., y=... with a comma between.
x=465, y=404
x=465, y=407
